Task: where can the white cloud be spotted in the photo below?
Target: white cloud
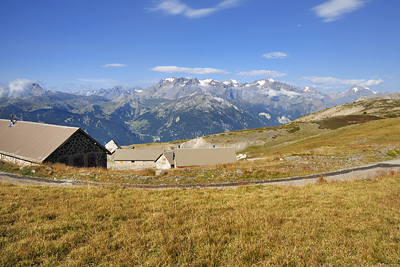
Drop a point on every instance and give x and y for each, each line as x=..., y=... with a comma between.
x=171, y=7
x=177, y=7
x=275, y=55
x=172, y=69
x=268, y=73
x=114, y=65
x=15, y=88
x=329, y=82
x=229, y=3
x=334, y=9
x=198, y=13
x=372, y=82
x=19, y=85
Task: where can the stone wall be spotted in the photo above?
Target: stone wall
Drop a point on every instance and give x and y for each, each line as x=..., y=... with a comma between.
x=16, y=160
x=162, y=163
x=79, y=151
x=131, y=165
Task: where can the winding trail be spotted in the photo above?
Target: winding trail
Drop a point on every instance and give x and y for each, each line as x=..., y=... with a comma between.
x=357, y=173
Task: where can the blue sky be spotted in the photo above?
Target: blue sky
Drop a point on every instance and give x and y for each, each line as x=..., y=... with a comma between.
x=90, y=44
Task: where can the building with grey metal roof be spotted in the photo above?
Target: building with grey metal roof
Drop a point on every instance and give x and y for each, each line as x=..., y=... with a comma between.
x=138, y=154
x=36, y=143
x=139, y=159
x=186, y=157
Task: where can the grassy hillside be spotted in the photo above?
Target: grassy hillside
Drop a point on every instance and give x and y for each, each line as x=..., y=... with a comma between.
x=340, y=224
x=387, y=106
x=294, y=149
x=328, y=224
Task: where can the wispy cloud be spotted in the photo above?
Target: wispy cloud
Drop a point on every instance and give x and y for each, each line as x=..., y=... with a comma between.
x=16, y=87
x=335, y=9
x=177, y=7
x=108, y=81
x=114, y=65
x=267, y=73
x=172, y=69
x=330, y=82
x=273, y=55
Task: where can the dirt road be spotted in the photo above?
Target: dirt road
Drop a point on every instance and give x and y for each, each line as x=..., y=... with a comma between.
x=358, y=173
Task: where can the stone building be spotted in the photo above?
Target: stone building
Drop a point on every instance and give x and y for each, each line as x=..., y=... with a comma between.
x=36, y=143
x=139, y=159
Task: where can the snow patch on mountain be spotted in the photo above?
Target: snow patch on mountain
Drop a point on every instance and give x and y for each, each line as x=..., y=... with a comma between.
x=205, y=82
x=308, y=89
x=266, y=115
x=171, y=80
x=283, y=119
x=261, y=83
x=219, y=99
x=231, y=82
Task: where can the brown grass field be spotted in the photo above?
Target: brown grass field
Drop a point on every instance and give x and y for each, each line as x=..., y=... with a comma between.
x=331, y=224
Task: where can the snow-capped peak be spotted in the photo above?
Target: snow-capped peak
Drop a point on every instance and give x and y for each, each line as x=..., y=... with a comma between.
x=359, y=88
x=233, y=81
x=261, y=82
x=205, y=82
x=308, y=89
x=171, y=80
x=270, y=80
x=230, y=81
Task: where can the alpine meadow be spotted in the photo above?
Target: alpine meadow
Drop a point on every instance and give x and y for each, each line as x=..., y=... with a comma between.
x=200, y=133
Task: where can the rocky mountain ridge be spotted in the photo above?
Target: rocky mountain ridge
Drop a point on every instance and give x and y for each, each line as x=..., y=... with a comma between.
x=173, y=109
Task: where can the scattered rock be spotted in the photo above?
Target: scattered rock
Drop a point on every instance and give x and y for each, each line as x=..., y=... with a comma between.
x=160, y=172
x=239, y=173
x=241, y=156
x=49, y=170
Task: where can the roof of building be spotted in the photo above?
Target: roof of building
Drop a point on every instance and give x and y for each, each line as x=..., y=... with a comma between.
x=34, y=141
x=169, y=154
x=137, y=154
x=185, y=157
x=112, y=146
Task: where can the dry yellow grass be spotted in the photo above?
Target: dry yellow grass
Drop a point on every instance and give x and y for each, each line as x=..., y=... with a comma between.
x=340, y=224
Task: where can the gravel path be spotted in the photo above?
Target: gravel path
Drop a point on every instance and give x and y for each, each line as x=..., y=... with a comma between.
x=358, y=173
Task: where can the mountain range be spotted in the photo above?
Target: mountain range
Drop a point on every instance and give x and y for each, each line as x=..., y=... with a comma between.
x=173, y=109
